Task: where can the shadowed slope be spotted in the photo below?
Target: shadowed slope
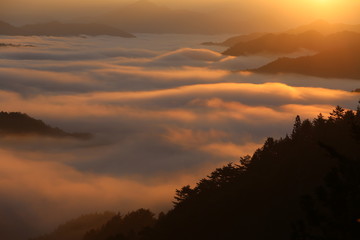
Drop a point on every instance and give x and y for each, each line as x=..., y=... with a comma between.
x=260, y=197
x=7, y=29
x=14, y=45
x=278, y=43
x=237, y=39
x=339, y=59
x=120, y=227
x=15, y=123
x=325, y=28
x=76, y=228
x=320, y=26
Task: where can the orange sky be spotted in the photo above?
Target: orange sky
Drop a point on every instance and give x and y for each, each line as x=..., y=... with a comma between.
x=284, y=11
x=163, y=110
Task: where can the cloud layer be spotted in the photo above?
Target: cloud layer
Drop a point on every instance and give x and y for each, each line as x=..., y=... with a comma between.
x=162, y=114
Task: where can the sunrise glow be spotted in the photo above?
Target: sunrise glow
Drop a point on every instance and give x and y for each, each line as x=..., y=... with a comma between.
x=173, y=120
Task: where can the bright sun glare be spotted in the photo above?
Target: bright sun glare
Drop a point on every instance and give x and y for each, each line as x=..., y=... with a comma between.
x=324, y=2
x=326, y=8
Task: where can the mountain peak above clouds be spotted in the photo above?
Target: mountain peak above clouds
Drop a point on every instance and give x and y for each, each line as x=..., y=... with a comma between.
x=338, y=58
x=6, y=28
x=325, y=27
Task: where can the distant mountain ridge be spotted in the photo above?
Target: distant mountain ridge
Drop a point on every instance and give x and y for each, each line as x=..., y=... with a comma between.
x=62, y=29
x=338, y=57
x=16, y=123
x=323, y=27
x=14, y=45
x=76, y=228
x=278, y=43
x=339, y=63
x=7, y=29
x=234, y=40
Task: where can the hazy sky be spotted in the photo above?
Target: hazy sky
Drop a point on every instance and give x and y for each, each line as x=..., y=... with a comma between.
x=296, y=12
x=163, y=110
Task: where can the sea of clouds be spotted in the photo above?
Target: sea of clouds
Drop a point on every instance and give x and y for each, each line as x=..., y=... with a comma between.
x=163, y=111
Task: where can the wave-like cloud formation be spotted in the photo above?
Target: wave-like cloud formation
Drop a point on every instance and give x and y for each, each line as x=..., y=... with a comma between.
x=162, y=116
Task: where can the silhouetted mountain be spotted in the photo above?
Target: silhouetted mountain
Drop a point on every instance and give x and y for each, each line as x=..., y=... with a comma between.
x=320, y=26
x=15, y=123
x=14, y=45
x=260, y=197
x=340, y=58
x=296, y=187
x=62, y=29
x=128, y=227
x=76, y=228
x=237, y=39
x=325, y=28
x=146, y=17
x=278, y=43
x=333, y=213
x=7, y=29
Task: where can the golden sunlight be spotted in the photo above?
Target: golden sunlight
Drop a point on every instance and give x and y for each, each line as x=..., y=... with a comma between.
x=167, y=119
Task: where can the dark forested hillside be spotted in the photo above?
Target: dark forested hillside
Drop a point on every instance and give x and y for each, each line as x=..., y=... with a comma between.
x=14, y=45
x=260, y=197
x=76, y=228
x=16, y=123
x=303, y=186
x=130, y=226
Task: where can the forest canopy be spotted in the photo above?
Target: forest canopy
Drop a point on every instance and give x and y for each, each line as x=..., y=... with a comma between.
x=303, y=186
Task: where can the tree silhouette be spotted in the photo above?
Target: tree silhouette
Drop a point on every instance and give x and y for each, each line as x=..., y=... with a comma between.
x=259, y=198
x=306, y=185
x=128, y=227
x=334, y=212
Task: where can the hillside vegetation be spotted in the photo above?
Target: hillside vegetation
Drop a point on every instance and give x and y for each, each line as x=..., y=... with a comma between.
x=20, y=124
x=303, y=186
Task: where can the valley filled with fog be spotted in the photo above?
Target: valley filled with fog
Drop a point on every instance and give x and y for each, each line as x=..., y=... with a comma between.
x=162, y=110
